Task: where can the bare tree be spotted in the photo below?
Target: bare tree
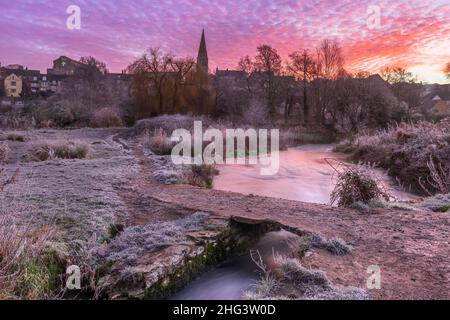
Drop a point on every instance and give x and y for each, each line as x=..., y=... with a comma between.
x=268, y=62
x=246, y=65
x=397, y=74
x=303, y=67
x=91, y=69
x=151, y=72
x=329, y=67
x=403, y=84
x=181, y=67
x=330, y=61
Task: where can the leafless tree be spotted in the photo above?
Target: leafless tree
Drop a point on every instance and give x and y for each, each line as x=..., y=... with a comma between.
x=246, y=65
x=181, y=67
x=403, y=84
x=303, y=67
x=268, y=62
x=330, y=60
x=151, y=72
x=396, y=75
x=329, y=67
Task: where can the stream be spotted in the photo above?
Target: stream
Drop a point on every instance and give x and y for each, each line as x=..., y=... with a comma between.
x=304, y=175
x=229, y=280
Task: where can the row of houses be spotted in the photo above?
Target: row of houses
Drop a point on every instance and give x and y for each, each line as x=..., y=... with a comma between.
x=19, y=81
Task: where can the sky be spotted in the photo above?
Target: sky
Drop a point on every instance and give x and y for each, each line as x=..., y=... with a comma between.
x=412, y=33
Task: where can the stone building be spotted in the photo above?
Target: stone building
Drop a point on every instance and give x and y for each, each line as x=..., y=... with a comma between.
x=63, y=66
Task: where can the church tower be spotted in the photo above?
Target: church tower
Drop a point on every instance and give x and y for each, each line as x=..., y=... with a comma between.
x=202, y=58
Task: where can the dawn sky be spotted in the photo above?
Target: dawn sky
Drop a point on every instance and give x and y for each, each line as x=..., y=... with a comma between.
x=412, y=33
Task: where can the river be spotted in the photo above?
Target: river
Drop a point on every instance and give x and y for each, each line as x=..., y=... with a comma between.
x=304, y=175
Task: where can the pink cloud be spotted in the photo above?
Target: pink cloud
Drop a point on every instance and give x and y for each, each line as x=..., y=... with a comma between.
x=33, y=32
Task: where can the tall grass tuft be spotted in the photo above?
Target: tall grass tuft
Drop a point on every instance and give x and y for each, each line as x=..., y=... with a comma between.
x=62, y=149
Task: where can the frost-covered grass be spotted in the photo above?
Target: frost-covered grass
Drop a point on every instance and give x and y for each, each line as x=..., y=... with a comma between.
x=295, y=281
x=59, y=148
x=334, y=245
x=29, y=266
x=132, y=242
x=406, y=151
x=437, y=203
x=13, y=137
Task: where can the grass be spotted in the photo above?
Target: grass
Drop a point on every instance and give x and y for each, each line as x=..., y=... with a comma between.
x=335, y=245
x=437, y=203
x=293, y=271
x=62, y=149
x=14, y=137
x=29, y=269
x=112, y=231
x=292, y=280
x=29, y=266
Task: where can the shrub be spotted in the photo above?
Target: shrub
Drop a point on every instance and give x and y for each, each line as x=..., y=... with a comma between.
x=106, y=118
x=356, y=184
x=200, y=175
x=411, y=152
x=158, y=142
x=61, y=116
x=62, y=149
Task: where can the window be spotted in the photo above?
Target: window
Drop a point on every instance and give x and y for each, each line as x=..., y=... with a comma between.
x=13, y=83
x=44, y=78
x=13, y=90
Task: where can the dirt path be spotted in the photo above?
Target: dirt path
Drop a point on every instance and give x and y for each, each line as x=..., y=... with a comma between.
x=411, y=248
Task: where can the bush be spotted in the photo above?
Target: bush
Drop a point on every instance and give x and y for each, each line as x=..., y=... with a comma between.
x=62, y=149
x=158, y=142
x=106, y=118
x=200, y=175
x=356, y=184
x=14, y=137
x=416, y=154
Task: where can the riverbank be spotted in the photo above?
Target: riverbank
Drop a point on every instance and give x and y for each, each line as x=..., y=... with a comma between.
x=116, y=185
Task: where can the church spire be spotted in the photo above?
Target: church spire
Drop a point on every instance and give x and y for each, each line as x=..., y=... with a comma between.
x=202, y=58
